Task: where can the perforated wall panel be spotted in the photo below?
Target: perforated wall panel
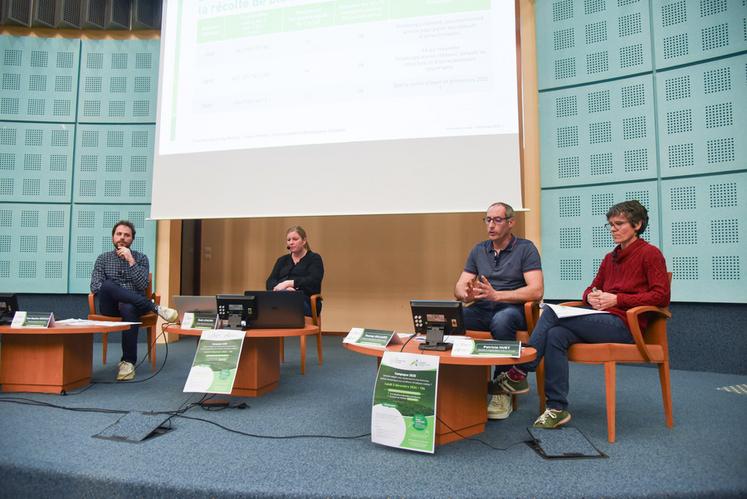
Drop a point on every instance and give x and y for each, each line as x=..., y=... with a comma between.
x=118, y=81
x=574, y=239
x=36, y=162
x=114, y=163
x=703, y=117
x=38, y=78
x=598, y=132
x=34, y=247
x=580, y=41
x=705, y=238
x=690, y=30
x=91, y=235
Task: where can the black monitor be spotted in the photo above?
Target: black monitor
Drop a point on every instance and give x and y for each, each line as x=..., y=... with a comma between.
x=8, y=308
x=436, y=319
x=235, y=311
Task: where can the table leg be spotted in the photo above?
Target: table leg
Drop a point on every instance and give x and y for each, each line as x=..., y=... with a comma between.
x=45, y=363
x=259, y=367
x=462, y=402
x=303, y=354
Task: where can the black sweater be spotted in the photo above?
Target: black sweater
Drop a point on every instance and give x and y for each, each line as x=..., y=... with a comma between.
x=307, y=274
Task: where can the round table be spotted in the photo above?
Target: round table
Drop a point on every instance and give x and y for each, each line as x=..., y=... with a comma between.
x=48, y=360
x=259, y=365
x=461, y=403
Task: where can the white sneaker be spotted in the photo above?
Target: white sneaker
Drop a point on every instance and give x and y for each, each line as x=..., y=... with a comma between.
x=168, y=314
x=126, y=371
x=499, y=406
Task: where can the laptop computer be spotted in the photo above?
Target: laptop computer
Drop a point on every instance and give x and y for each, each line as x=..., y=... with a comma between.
x=277, y=309
x=185, y=303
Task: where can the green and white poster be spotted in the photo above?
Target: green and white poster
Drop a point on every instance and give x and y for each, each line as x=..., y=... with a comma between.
x=404, y=402
x=216, y=361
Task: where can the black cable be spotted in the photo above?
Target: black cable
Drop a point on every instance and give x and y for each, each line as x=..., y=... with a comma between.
x=408, y=341
x=272, y=437
x=473, y=439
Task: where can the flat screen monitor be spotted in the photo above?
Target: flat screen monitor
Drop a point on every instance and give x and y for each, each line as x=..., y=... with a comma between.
x=8, y=308
x=278, y=309
x=236, y=311
x=441, y=314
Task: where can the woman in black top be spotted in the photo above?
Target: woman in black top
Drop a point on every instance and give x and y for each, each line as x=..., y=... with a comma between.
x=300, y=270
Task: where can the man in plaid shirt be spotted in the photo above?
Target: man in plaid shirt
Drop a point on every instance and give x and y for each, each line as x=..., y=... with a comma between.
x=119, y=279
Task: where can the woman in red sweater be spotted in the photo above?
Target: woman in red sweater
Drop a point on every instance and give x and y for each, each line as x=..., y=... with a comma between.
x=633, y=274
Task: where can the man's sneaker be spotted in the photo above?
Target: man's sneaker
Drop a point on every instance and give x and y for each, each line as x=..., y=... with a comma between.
x=499, y=406
x=168, y=314
x=504, y=384
x=126, y=371
x=552, y=418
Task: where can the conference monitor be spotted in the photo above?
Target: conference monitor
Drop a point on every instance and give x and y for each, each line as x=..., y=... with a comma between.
x=8, y=308
x=236, y=311
x=436, y=319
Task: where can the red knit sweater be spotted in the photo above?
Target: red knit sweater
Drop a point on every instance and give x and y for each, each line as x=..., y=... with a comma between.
x=637, y=275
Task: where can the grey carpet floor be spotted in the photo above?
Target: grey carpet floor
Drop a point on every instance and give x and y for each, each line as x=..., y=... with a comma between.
x=50, y=452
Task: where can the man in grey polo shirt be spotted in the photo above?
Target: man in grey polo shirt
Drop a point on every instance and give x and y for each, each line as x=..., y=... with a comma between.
x=500, y=274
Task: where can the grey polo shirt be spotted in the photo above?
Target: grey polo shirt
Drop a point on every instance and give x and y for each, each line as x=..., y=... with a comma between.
x=504, y=270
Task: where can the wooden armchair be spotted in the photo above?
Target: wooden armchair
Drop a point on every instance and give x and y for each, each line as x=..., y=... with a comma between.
x=149, y=321
x=650, y=347
x=531, y=315
x=316, y=319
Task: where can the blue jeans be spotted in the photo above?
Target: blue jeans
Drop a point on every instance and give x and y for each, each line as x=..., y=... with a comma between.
x=307, y=306
x=501, y=319
x=552, y=337
x=117, y=301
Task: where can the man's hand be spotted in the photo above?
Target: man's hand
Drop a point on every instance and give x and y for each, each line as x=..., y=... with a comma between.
x=285, y=286
x=482, y=290
x=599, y=300
x=125, y=254
x=469, y=295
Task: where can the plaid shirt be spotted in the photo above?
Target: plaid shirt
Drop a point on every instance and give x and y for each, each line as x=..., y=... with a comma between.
x=109, y=266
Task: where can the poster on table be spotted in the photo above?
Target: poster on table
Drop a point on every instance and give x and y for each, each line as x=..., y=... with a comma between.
x=216, y=362
x=404, y=403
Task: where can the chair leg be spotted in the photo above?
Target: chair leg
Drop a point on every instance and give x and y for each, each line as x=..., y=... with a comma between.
x=666, y=393
x=319, y=348
x=610, y=382
x=303, y=354
x=152, y=347
x=282, y=349
x=104, y=345
x=540, y=375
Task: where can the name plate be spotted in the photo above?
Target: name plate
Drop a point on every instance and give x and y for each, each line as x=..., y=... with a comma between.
x=199, y=320
x=33, y=319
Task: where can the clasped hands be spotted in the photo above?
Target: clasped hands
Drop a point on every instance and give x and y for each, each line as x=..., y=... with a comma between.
x=600, y=300
x=288, y=285
x=480, y=289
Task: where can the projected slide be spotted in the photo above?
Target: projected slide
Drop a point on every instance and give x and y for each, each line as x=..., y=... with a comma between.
x=245, y=74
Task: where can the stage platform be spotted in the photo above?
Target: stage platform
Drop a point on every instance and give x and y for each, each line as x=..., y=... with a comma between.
x=307, y=439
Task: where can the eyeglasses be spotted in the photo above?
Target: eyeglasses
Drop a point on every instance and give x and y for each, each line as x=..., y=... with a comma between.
x=615, y=225
x=495, y=220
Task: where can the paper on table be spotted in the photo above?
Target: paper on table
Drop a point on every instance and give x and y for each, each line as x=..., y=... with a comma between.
x=562, y=311
x=86, y=322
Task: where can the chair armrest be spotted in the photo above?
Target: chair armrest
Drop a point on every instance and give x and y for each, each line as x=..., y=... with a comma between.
x=315, y=299
x=91, y=304
x=531, y=314
x=573, y=304
x=635, y=328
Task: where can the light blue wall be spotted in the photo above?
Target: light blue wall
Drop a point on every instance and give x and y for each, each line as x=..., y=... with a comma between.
x=645, y=100
x=77, y=125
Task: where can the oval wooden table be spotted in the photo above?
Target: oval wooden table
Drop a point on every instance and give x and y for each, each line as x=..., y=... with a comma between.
x=259, y=365
x=461, y=404
x=48, y=360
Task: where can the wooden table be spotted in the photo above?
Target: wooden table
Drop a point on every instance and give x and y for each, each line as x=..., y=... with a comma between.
x=259, y=365
x=48, y=360
x=462, y=388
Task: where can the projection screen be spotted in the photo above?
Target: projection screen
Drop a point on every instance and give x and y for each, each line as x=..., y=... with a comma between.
x=292, y=108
